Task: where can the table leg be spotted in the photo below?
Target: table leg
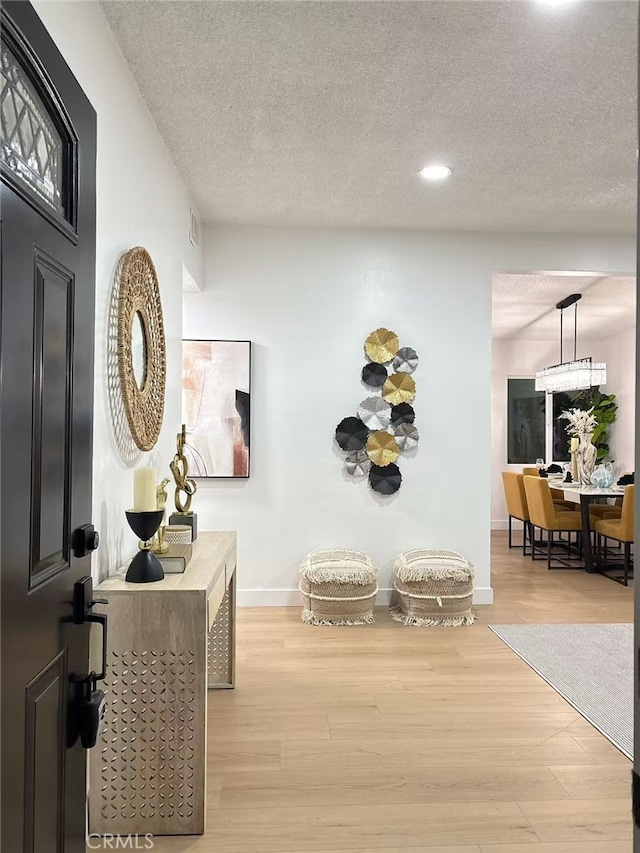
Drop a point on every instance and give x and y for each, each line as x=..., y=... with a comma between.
x=587, y=551
x=222, y=641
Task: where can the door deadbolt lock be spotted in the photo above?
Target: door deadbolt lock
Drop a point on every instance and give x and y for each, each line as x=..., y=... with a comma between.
x=85, y=540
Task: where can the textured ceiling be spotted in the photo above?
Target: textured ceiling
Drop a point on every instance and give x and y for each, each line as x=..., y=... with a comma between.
x=321, y=113
x=524, y=306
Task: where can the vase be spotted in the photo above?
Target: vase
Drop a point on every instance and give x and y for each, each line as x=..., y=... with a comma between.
x=586, y=456
x=602, y=476
x=610, y=476
x=145, y=566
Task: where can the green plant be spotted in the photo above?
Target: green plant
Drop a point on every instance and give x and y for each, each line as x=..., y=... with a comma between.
x=605, y=410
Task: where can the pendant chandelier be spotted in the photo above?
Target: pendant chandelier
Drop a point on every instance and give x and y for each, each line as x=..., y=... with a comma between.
x=573, y=375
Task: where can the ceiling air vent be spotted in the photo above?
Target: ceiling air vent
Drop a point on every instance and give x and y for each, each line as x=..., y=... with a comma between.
x=194, y=229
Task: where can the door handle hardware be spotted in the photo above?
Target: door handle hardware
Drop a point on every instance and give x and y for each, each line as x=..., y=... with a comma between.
x=88, y=710
x=100, y=619
x=83, y=601
x=83, y=604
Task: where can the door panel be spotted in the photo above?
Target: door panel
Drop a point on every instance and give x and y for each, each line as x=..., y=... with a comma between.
x=47, y=197
x=44, y=759
x=52, y=408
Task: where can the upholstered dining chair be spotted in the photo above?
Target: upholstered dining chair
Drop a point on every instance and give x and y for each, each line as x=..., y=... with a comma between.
x=544, y=514
x=621, y=529
x=607, y=510
x=516, y=506
x=557, y=495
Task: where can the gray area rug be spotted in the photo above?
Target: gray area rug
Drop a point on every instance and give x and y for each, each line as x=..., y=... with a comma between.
x=591, y=666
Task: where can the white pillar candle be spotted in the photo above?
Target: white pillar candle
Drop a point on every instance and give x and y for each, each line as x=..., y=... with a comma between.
x=574, y=445
x=144, y=490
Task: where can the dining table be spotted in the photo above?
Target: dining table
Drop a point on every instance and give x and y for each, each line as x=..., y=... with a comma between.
x=586, y=495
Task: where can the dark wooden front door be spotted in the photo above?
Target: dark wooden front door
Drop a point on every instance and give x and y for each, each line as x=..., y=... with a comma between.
x=47, y=197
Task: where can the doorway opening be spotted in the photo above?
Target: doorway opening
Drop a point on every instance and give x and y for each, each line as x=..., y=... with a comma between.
x=528, y=429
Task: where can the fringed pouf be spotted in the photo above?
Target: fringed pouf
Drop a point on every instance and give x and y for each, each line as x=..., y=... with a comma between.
x=338, y=588
x=433, y=588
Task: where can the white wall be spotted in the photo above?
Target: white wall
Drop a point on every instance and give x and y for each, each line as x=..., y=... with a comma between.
x=620, y=355
x=140, y=201
x=307, y=299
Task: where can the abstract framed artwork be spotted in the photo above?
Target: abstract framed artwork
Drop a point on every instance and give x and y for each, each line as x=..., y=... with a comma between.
x=216, y=407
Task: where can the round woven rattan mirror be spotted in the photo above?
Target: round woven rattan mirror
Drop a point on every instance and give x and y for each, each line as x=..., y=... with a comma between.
x=141, y=336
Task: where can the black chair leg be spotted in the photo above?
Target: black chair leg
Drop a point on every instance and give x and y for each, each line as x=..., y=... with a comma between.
x=527, y=534
x=549, y=544
x=627, y=562
x=533, y=543
x=510, y=543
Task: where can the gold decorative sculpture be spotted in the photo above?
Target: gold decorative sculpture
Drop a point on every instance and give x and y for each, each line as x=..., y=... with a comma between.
x=180, y=470
x=159, y=545
x=162, y=494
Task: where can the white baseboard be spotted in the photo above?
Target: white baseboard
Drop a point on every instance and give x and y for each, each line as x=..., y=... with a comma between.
x=483, y=595
x=503, y=524
x=268, y=598
x=291, y=597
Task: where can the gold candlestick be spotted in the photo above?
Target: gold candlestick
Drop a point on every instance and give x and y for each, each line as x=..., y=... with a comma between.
x=574, y=465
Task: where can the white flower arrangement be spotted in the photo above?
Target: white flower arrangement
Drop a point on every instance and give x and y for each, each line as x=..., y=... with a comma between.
x=581, y=423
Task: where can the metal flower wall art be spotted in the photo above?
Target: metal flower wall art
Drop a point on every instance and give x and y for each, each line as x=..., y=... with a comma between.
x=383, y=427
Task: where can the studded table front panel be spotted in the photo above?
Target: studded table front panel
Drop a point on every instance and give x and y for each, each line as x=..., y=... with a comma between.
x=221, y=659
x=147, y=749
x=149, y=766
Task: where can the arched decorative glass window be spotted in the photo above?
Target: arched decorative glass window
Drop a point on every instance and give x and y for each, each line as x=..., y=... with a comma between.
x=38, y=146
x=31, y=145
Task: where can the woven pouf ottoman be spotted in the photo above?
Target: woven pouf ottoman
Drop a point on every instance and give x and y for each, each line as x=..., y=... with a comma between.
x=433, y=588
x=338, y=588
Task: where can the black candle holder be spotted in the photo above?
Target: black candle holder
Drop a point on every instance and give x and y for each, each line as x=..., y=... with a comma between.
x=145, y=566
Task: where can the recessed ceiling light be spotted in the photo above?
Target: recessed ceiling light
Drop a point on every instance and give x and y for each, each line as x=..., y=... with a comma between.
x=435, y=172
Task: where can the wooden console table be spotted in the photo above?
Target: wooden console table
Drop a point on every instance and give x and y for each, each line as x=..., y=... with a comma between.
x=168, y=642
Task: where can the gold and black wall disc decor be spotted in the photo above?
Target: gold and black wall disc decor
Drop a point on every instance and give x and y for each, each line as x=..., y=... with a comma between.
x=381, y=345
x=142, y=362
x=374, y=375
x=399, y=388
x=382, y=448
x=406, y=360
x=357, y=464
x=352, y=434
x=407, y=436
x=375, y=413
x=403, y=413
x=383, y=427
x=385, y=480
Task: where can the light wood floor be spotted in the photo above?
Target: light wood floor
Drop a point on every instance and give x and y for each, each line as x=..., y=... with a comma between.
x=389, y=739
